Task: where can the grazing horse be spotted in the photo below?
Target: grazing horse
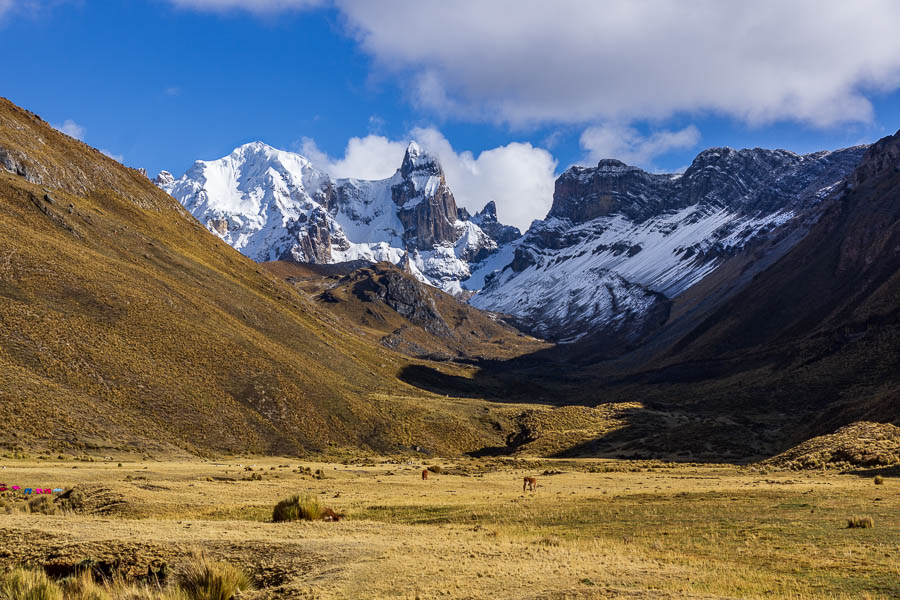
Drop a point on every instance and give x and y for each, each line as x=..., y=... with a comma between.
x=330, y=515
x=425, y=475
x=529, y=483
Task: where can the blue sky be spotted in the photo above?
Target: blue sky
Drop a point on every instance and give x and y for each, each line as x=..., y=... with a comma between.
x=160, y=83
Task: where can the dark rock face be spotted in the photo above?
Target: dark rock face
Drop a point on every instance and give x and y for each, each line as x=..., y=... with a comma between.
x=487, y=220
x=403, y=295
x=582, y=194
x=427, y=207
x=752, y=180
x=314, y=237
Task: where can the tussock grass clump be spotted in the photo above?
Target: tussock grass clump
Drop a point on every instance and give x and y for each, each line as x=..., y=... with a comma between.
x=205, y=579
x=43, y=505
x=84, y=587
x=860, y=523
x=296, y=508
x=434, y=468
x=879, y=480
x=28, y=584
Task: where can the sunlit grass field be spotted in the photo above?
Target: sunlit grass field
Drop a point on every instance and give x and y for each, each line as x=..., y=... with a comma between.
x=593, y=528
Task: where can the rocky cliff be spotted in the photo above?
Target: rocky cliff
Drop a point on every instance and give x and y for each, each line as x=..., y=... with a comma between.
x=619, y=242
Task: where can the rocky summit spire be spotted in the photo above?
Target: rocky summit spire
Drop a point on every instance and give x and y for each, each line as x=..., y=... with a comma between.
x=427, y=207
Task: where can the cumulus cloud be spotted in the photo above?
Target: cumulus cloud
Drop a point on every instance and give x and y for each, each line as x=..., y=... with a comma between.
x=518, y=177
x=530, y=61
x=253, y=6
x=71, y=128
x=370, y=157
x=628, y=145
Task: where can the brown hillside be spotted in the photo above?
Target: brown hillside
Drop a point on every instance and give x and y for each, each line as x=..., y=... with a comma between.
x=398, y=312
x=125, y=325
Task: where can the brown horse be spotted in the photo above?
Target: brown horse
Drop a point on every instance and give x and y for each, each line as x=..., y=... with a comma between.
x=529, y=483
x=425, y=475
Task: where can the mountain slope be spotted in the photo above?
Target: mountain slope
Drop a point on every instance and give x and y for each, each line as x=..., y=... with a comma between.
x=619, y=243
x=826, y=317
x=125, y=325
x=399, y=312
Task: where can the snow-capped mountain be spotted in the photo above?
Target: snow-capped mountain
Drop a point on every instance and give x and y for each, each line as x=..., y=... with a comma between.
x=271, y=204
x=619, y=243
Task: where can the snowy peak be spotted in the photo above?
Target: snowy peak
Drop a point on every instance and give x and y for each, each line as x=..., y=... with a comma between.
x=163, y=178
x=271, y=204
x=417, y=161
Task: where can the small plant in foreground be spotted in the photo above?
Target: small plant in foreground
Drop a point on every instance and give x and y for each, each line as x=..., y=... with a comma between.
x=296, y=508
x=204, y=579
x=28, y=584
x=860, y=523
x=879, y=480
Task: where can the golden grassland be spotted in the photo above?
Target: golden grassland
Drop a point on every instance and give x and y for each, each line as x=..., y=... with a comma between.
x=592, y=529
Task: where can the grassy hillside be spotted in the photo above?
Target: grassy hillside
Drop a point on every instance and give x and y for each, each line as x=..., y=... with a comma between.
x=388, y=305
x=125, y=325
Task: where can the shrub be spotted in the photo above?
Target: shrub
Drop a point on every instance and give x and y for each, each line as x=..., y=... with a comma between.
x=296, y=508
x=84, y=587
x=860, y=523
x=879, y=480
x=28, y=584
x=43, y=505
x=204, y=579
x=434, y=468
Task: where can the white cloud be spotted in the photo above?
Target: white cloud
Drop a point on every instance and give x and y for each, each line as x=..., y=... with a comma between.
x=628, y=145
x=116, y=157
x=253, y=6
x=532, y=61
x=172, y=90
x=518, y=176
x=71, y=128
x=371, y=157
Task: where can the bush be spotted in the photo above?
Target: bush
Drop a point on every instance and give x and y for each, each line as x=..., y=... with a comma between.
x=879, y=480
x=434, y=468
x=296, y=508
x=28, y=584
x=84, y=587
x=204, y=579
x=860, y=523
x=43, y=505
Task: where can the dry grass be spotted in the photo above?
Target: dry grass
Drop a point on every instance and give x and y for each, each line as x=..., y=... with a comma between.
x=205, y=579
x=633, y=529
x=28, y=584
x=296, y=508
x=860, y=523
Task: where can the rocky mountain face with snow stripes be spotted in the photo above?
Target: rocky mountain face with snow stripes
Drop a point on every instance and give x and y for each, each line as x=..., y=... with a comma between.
x=617, y=248
x=619, y=243
x=271, y=204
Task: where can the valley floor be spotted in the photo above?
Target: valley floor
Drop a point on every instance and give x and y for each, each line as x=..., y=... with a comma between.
x=592, y=529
